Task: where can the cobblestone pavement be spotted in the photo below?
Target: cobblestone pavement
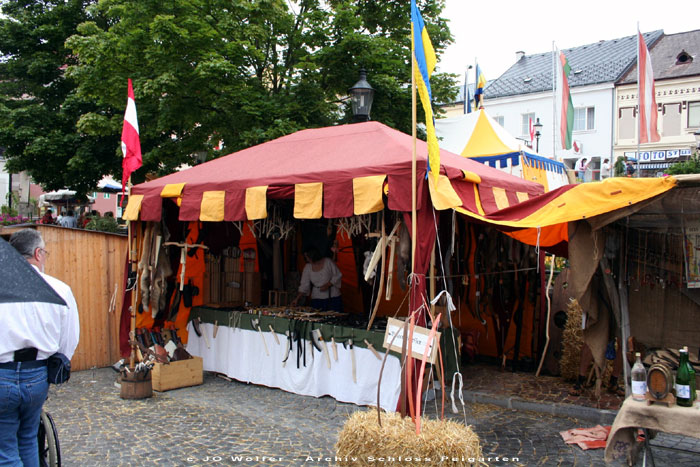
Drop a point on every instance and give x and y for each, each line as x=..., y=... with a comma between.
x=231, y=423
x=544, y=389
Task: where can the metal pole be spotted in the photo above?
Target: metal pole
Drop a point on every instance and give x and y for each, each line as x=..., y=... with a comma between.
x=554, y=103
x=639, y=105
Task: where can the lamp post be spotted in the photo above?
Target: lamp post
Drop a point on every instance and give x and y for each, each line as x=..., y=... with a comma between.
x=537, y=126
x=697, y=139
x=362, y=95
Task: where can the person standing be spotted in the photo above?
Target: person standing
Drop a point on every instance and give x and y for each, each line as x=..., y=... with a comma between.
x=605, y=169
x=321, y=280
x=30, y=333
x=582, y=165
x=69, y=221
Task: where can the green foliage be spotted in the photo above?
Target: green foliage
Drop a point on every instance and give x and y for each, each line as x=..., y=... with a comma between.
x=620, y=166
x=39, y=106
x=690, y=166
x=102, y=224
x=243, y=72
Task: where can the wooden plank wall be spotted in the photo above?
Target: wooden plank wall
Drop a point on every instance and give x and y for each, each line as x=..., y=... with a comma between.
x=92, y=263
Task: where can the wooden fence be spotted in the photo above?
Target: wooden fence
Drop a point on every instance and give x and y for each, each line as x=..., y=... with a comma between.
x=92, y=263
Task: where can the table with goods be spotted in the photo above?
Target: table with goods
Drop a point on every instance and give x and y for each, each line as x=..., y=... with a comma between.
x=298, y=349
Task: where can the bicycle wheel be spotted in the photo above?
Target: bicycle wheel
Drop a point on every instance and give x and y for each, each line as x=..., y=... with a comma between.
x=49, y=449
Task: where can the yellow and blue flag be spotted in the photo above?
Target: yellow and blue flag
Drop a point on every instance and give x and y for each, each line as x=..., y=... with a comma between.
x=480, y=85
x=425, y=61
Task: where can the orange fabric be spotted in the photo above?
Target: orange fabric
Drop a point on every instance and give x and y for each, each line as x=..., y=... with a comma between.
x=549, y=236
x=587, y=438
x=194, y=272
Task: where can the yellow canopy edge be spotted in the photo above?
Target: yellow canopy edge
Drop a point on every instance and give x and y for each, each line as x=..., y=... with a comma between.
x=587, y=200
x=133, y=207
x=308, y=200
x=256, y=202
x=367, y=194
x=501, y=198
x=172, y=190
x=471, y=177
x=212, y=207
x=442, y=193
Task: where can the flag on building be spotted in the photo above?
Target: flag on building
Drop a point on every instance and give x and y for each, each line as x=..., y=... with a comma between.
x=131, y=144
x=566, y=107
x=479, y=87
x=467, y=96
x=425, y=61
x=648, y=114
x=531, y=128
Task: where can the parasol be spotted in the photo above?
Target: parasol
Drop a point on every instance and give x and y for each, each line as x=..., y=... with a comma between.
x=20, y=282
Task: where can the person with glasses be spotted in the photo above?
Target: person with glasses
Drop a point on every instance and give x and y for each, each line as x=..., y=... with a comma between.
x=29, y=334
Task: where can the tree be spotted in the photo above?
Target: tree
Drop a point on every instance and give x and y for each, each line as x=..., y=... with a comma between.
x=39, y=107
x=242, y=72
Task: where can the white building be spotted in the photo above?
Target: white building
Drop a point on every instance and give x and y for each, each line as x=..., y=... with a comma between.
x=525, y=91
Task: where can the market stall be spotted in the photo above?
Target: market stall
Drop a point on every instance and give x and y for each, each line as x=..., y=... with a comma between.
x=357, y=178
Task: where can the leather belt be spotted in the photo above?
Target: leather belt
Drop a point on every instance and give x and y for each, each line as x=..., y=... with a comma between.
x=23, y=365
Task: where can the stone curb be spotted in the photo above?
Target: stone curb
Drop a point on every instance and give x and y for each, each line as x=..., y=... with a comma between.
x=601, y=416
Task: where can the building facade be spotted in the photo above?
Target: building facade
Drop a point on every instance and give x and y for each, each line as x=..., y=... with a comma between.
x=675, y=59
x=525, y=92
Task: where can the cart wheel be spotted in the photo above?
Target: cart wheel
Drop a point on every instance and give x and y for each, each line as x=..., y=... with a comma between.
x=49, y=449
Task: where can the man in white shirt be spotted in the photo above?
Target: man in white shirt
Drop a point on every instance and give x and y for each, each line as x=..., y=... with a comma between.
x=605, y=169
x=30, y=333
x=69, y=221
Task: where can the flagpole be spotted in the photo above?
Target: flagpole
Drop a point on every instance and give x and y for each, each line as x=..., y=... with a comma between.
x=554, y=103
x=639, y=106
x=134, y=298
x=466, y=91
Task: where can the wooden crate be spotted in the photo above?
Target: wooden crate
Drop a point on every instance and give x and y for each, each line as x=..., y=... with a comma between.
x=179, y=374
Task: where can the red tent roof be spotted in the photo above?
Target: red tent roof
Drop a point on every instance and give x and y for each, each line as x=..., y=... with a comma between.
x=335, y=156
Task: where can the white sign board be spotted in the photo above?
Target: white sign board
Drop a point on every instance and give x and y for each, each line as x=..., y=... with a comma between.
x=658, y=156
x=673, y=153
x=395, y=327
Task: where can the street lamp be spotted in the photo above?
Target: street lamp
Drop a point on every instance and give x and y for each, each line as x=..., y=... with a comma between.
x=537, y=126
x=697, y=138
x=362, y=95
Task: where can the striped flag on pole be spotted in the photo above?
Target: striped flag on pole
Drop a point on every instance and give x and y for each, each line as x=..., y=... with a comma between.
x=647, y=95
x=566, y=112
x=426, y=60
x=131, y=144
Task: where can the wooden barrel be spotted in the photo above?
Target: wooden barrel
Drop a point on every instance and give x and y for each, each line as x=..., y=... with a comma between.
x=659, y=380
x=132, y=388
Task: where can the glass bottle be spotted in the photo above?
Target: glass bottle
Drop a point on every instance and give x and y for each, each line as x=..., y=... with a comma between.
x=691, y=372
x=683, y=396
x=639, y=379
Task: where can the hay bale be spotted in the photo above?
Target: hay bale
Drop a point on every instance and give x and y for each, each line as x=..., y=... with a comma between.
x=572, y=341
x=363, y=442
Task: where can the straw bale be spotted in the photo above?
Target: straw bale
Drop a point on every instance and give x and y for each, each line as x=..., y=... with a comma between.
x=363, y=442
x=572, y=341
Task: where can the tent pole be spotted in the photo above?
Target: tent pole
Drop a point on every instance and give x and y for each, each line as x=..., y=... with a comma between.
x=132, y=308
x=624, y=307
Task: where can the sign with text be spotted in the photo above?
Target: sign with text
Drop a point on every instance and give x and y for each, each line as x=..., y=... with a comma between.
x=658, y=156
x=395, y=327
x=673, y=153
x=645, y=156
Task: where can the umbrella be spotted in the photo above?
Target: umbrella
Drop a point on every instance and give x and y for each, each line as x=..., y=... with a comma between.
x=20, y=281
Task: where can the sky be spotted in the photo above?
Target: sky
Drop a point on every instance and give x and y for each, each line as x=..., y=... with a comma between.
x=492, y=31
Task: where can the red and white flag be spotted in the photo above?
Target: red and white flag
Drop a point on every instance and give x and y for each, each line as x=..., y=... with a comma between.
x=532, y=130
x=131, y=144
x=647, y=95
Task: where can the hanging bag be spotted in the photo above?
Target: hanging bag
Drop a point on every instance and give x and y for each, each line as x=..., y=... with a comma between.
x=58, y=366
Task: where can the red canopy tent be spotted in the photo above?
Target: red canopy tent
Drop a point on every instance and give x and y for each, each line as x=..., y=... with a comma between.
x=332, y=172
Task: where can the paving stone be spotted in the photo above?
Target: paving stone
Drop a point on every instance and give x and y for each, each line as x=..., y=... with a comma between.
x=232, y=423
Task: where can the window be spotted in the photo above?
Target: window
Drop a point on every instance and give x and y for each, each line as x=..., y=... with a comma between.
x=525, y=128
x=584, y=118
x=94, y=194
x=105, y=195
x=693, y=114
x=626, y=124
x=499, y=120
x=672, y=119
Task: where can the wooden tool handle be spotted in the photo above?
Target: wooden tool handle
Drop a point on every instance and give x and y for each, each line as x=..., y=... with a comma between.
x=371, y=347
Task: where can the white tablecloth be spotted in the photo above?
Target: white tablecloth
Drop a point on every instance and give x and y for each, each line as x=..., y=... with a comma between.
x=240, y=354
